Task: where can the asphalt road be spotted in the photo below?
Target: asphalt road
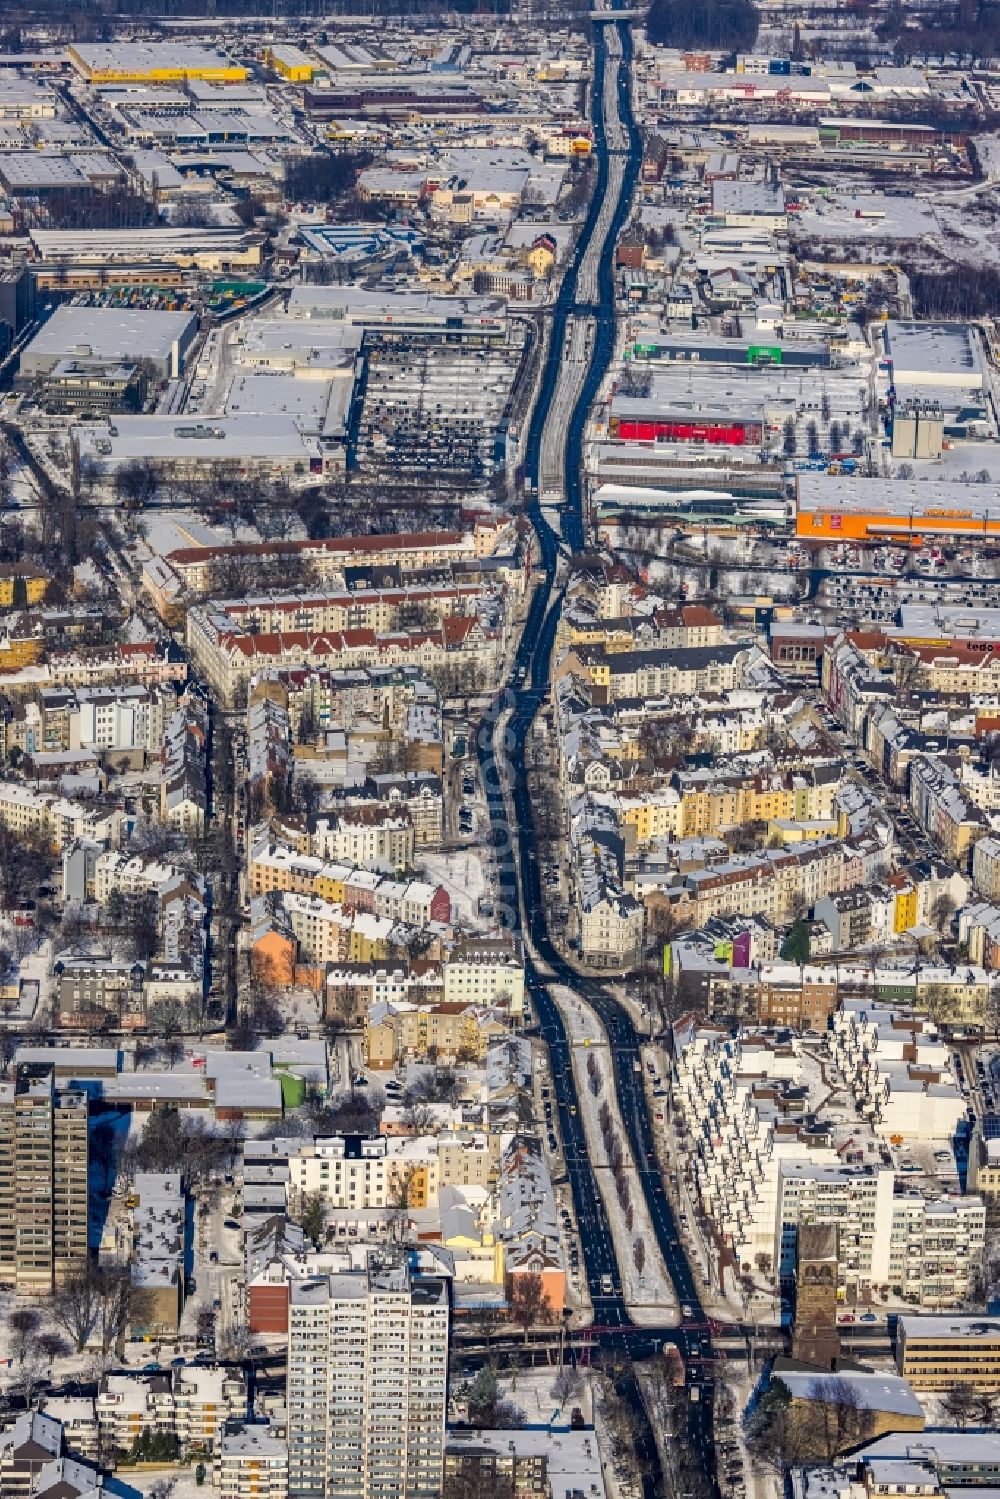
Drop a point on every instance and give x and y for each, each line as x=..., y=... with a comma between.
x=503, y=769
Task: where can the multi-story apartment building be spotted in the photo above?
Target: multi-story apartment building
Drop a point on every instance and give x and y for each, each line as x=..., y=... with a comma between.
x=944, y=809
x=128, y=717
x=228, y=656
x=327, y=933
x=204, y=1400
x=26, y=1447
x=898, y=1070
x=127, y=1406
x=330, y=555
x=530, y=1464
x=277, y=866
x=367, y=1384
x=659, y=672
x=43, y=1180
x=935, y=1248
x=986, y=867
x=193, y=1404
x=852, y=1198
x=376, y=836
x=358, y=609
x=251, y=1464
x=56, y=819
x=984, y=1160
x=88, y=989
x=486, y=971
x=395, y=1032
x=612, y=925
x=762, y=1166
x=786, y=994
x=354, y=1171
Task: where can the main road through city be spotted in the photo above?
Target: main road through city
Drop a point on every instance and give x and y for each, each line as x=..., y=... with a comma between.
x=575, y=365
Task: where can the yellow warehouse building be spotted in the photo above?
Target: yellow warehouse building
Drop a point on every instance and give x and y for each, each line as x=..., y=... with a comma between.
x=142, y=62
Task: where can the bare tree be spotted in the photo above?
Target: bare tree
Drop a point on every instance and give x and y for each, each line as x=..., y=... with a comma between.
x=528, y=1301
x=959, y=1402
x=114, y=1303
x=566, y=1384
x=23, y=1323
x=75, y=1307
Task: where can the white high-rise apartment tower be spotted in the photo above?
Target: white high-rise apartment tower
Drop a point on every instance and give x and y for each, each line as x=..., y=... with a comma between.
x=367, y=1383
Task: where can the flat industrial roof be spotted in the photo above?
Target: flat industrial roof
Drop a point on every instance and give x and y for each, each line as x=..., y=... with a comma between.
x=878, y=1392
x=959, y=621
x=111, y=332
x=39, y=169
x=355, y=304
x=747, y=197
x=148, y=57
x=898, y=497
x=320, y=406
x=314, y=341
x=171, y=437
x=939, y=352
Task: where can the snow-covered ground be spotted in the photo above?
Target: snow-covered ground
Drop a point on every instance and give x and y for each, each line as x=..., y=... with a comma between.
x=532, y=1390
x=462, y=874
x=649, y=1295
x=179, y=1479
x=988, y=151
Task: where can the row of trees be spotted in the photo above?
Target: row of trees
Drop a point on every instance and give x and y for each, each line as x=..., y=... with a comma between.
x=83, y=20
x=617, y=1162
x=120, y=207
x=324, y=176
x=969, y=29
x=975, y=292
x=171, y=1141
x=97, y=1299
x=711, y=24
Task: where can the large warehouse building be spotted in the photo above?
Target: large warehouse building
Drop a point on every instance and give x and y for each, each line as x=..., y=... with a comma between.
x=643, y=420
x=124, y=334
x=243, y=446
x=838, y=509
x=146, y=62
x=933, y=354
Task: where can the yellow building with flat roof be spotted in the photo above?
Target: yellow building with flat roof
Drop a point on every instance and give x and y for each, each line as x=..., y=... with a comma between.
x=291, y=63
x=144, y=62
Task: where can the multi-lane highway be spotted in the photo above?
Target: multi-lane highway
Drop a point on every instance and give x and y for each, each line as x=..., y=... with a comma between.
x=578, y=356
